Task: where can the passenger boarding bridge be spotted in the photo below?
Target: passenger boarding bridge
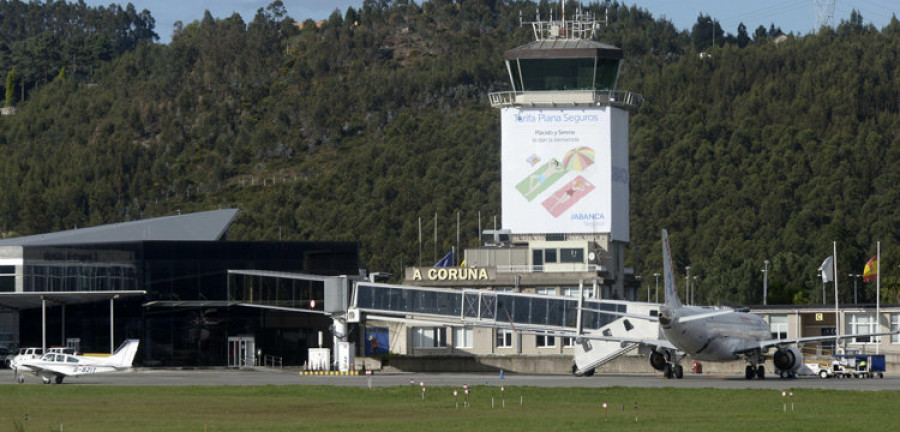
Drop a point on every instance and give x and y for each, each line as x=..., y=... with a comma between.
x=346, y=301
x=525, y=313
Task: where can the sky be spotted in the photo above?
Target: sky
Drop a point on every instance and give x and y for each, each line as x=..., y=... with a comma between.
x=797, y=16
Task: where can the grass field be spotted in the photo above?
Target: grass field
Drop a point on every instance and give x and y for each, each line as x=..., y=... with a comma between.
x=299, y=408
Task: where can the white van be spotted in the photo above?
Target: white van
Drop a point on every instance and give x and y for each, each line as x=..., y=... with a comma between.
x=26, y=354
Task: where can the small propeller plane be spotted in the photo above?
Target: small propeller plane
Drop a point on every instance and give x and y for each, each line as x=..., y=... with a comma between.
x=54, y=367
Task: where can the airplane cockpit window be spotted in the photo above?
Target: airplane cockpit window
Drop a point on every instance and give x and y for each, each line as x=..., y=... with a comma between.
x=48, y=357
x=70, y=359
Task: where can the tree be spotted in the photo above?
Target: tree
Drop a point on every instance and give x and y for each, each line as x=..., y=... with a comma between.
x=743, y=39
x=10, y=87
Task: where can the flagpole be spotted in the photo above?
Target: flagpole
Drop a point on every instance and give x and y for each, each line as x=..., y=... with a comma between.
x=837, y=316
x=878, y=297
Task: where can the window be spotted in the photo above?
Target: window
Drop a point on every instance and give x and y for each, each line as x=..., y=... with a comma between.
x=429, y=337
x=545, y=291
x=778, y=326
x=504, y=338
x=571, y=255
x=462, y=337
x=549, y=255
x=568, y=342
x=545, y=341
x=895, y=325
x=573, y=292
x=861, y=323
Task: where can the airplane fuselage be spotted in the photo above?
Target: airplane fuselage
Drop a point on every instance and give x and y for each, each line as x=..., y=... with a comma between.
x=717, y=337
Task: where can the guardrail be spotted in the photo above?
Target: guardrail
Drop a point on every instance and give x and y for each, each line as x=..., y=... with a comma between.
x=553, y=268
x=615, y=98
x=272, y=361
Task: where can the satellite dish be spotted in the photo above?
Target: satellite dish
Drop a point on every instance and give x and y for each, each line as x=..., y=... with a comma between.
x=592, y=256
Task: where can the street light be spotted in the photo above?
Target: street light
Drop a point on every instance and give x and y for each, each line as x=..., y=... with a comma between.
x=657, y=287
x=855, y=277
x=687, y=284
x=695, y=278
x=765, y=281
x=637, y=293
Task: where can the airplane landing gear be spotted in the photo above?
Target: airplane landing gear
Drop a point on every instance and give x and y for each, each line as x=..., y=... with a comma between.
x=758, y=372
x=673, y=371
x=46, y=380
x=59, y=379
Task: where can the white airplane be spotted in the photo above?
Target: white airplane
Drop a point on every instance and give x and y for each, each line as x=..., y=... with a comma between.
x=717, y=334
x=56, y=366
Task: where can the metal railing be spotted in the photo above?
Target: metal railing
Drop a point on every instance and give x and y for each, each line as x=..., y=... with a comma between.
x=574, y=267
x=615, y=98
x=271, y=361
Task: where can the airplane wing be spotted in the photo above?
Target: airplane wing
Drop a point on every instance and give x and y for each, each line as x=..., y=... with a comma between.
x=623, y=314
x=38, y=370
x=770, y=343
x=653, y=343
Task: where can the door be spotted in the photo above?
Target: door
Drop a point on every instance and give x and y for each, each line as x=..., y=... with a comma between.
x=241, y=351
x=537, y=260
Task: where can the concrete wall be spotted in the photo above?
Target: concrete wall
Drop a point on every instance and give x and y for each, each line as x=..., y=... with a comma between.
x=561, y=364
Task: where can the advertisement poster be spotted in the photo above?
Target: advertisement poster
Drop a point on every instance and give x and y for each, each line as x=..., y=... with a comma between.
x=562, y=171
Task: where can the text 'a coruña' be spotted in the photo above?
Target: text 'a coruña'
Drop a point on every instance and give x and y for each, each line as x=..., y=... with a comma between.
x=451, y=273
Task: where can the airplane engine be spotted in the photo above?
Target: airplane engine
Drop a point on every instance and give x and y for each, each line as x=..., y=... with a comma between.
x=658, y=360
x=788, y=359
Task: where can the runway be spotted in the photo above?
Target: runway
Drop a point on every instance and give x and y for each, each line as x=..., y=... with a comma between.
x=248, y=377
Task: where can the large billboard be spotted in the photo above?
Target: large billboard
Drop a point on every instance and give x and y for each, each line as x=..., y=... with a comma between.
x=565, y=170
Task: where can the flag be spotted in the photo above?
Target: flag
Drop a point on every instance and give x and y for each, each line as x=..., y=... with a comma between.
x=446, y=261
x=827, y=269
x=463, y=264
x=871, y=270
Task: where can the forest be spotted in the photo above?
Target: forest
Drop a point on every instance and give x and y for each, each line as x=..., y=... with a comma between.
x=376, y=121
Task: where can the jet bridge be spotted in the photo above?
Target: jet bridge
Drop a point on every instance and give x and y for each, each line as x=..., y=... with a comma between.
x=527, y=313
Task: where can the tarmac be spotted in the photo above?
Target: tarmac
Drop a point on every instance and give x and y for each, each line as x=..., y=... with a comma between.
x=263, y=376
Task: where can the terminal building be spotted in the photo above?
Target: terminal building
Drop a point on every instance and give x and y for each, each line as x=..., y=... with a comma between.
x=176, y=283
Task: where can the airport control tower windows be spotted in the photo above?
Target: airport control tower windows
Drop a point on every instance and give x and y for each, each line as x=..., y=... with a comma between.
x=564, y=74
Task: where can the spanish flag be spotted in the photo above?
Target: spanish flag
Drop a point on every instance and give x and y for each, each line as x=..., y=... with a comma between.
x=871, y=270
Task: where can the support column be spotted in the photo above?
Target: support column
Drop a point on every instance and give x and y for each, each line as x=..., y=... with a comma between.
x=112, y=316
x=63, y=329
x=44, y=324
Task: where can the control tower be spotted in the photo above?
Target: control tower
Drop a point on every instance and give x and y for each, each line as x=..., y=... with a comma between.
x=564, y=155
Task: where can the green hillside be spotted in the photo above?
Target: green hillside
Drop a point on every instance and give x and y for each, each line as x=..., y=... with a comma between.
x=360, y=127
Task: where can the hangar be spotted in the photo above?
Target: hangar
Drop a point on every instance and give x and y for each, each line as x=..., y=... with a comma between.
x=165, y=281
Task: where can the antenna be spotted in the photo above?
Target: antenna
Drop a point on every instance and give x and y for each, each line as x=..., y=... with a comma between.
x=582, y=26
x=824, y=13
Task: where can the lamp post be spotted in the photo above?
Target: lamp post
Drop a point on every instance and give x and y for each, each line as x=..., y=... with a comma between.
x=656, y=275
x=687, y=284
x=696, y=278
x=855, y=277
x=765, y=281
x=637, y=292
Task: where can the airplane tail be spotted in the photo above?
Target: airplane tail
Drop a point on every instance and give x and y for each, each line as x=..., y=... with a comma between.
x=672, y=300
x=124, y=356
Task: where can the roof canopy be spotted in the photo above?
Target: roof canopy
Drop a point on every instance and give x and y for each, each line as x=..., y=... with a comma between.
x=201, y=226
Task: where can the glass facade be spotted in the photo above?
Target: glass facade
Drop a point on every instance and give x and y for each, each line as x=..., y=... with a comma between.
x=541, y=310
x=199, y=312
x=561, y=74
